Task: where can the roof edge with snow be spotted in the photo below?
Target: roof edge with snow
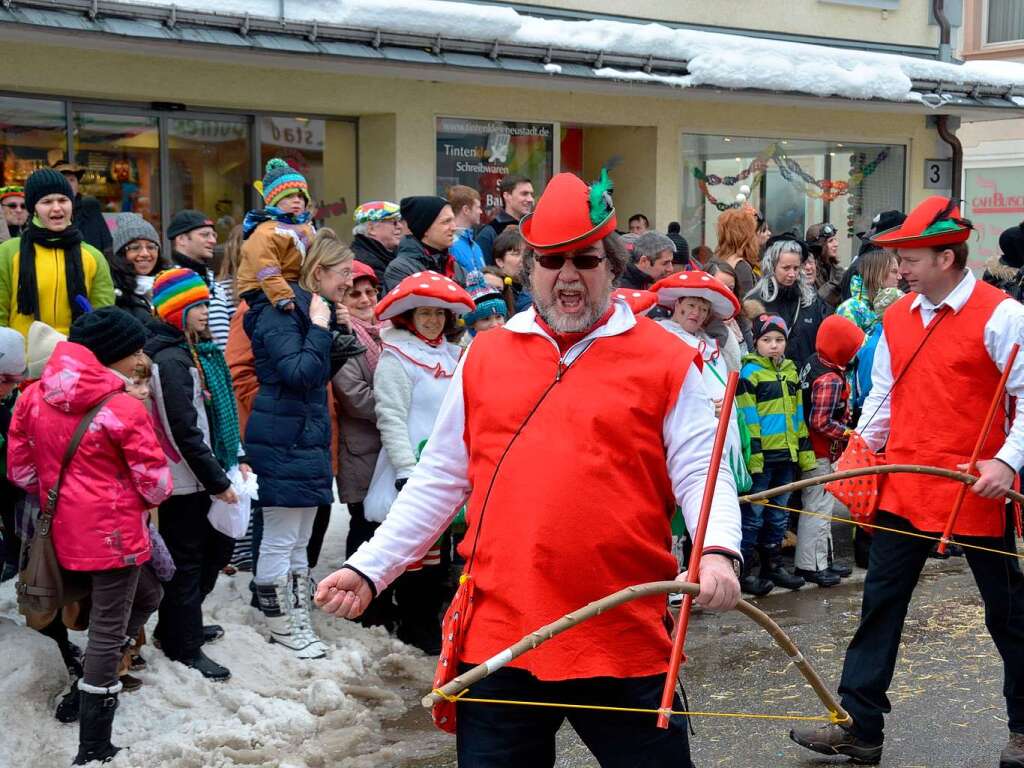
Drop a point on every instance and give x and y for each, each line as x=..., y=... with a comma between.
x=457, y=35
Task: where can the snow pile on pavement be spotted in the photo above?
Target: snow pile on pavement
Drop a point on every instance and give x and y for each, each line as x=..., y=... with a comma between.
x=713, y=59
x=275, y=711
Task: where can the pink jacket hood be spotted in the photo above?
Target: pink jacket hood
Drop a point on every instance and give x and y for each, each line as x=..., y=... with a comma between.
x=74, y=380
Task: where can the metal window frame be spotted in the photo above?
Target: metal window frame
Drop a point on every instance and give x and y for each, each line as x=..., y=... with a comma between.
x=250, y=118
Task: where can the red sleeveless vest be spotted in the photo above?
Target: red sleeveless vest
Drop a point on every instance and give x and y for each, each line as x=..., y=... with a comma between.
x=581, y=506
x=937, y=412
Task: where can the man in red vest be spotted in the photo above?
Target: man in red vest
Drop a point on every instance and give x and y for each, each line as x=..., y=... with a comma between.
x=573, y=432
x=939, y=361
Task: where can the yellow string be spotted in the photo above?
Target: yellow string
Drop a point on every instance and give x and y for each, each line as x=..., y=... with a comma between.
x=889, y=530
x=832, y=717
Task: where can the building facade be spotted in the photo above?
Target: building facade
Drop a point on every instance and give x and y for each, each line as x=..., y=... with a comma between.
x=169, y=107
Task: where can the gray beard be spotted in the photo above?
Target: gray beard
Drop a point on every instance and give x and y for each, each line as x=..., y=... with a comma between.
x=572, y=323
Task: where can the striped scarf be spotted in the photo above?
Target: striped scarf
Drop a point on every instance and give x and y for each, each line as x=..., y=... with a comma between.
x=219, y=395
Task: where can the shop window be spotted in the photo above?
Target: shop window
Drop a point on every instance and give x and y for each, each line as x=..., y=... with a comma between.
x=324, y=151
x=33, y=134
x=210, y=169
x=1005, y=21
x=994, y=202
x=121, y=157
x=792, y=183
x=479, y=153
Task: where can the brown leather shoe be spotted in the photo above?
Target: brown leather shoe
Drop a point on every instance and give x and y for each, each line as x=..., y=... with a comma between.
x=1012, y=755
x=833, y=739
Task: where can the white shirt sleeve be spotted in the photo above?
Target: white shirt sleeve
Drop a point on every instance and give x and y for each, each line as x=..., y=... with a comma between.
x=437, y=488
x=875, y=417
x=689, y=434
x=1004, y=329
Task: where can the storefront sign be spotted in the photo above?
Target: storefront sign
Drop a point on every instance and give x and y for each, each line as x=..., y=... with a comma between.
x=208, y=130
x=294, y=132
x=478, y=153
x=994, y=202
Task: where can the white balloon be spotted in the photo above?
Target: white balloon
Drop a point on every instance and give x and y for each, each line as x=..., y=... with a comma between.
x=740, y=197
x=744, y=190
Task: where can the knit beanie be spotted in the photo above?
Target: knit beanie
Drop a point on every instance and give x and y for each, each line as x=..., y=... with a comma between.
x=12, y=352
x=1011, y=243
x=131, y=226
x=766, y=323
x=279, y=181
x=489, y=302
x=11, y=190
x=185, y=221
x=42, y=340
x=43, y=182
x=175, y=292
x=109, y=333
x=838, y=341
x=420, y=211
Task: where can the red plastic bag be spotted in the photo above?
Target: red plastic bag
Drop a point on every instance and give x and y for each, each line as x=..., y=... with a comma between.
x=859, y=494
x=453, y=632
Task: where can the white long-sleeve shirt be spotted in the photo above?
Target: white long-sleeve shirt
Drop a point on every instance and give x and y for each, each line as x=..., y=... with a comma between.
x=1004, y=329
x=439, y=485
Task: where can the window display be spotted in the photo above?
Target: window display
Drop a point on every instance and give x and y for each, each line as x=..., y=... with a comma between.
x=793, y=183
x=33, y=134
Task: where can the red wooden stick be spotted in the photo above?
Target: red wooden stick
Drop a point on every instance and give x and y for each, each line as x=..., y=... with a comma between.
x=693, y=567
x=972, y=468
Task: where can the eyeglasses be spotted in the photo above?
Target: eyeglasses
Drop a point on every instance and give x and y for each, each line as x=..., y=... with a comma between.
x=135, y=249
x=345, y=273
x=15, y=206
x=557, y=261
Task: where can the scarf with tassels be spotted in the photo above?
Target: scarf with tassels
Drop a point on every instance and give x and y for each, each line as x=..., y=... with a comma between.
x=70, y=242
x=219, y=395
x=368, y=334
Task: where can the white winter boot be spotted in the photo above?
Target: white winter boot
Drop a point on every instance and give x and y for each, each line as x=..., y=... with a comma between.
x=277, y=603
x=300, y=589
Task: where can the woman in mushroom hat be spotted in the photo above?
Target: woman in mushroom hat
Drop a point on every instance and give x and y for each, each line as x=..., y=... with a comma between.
x=697, y=301
x=415, y=368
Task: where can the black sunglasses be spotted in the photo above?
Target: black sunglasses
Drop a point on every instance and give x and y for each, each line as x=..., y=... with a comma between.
x=828, y=231
x=14, y=206
x=557, y=261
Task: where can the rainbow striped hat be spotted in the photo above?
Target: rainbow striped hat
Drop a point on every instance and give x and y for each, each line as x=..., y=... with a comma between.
x=378, y=210
x=175, y=292
x=279, y=181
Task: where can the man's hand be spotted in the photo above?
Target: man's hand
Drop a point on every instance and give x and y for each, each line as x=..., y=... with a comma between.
x=994, y=478
x=719, y=587
x=344, y=594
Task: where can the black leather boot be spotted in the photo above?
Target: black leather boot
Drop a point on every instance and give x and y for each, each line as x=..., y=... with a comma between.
x=95, y=722
x=750, y=582
x=771, y=569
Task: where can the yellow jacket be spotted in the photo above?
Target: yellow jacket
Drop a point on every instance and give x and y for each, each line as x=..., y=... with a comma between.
x=54, y=309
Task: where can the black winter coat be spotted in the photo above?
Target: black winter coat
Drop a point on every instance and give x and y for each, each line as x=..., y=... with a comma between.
x=489, y=233
x=373, y=254
x=166, y=347
x=288, y=436
x=88, y=216
x=412, y=257
x=803, y=326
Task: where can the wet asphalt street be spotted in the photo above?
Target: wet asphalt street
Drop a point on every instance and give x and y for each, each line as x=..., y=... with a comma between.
x=947, y=706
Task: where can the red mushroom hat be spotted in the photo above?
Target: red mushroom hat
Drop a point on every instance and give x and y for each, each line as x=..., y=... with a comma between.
x=641, y=302
x=701, y=285
x=933, y=223
x=424, y=289
x=570, y=215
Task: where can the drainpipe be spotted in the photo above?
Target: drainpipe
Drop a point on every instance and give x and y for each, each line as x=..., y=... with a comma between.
x=945, y=30
x=948, y=136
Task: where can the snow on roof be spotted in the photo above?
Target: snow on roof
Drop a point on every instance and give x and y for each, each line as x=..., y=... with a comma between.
x=712, y=59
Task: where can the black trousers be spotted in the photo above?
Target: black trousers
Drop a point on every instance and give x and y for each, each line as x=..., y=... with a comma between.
x=509, y=736
x=199, y=552
x=316, y=537
x=893, y=570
